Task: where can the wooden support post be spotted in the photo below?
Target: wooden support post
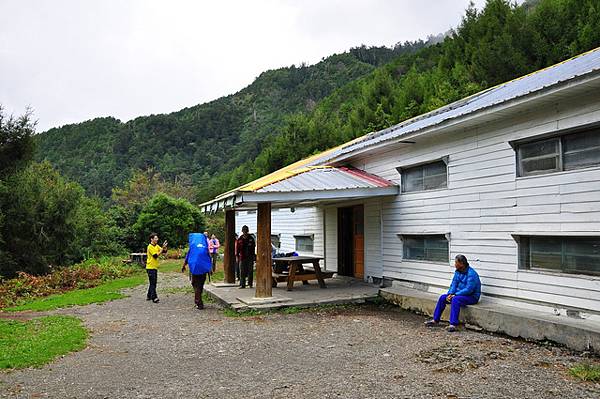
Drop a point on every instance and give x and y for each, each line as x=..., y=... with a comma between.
x=229, y=254
x=263, y=251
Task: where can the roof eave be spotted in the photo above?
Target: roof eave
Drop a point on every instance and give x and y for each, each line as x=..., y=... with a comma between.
x=462, y=119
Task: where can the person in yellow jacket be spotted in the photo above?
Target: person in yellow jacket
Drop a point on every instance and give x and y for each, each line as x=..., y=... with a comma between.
x=152, y=253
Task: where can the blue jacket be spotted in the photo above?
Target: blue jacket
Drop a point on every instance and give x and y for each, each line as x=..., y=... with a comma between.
x=466, y=283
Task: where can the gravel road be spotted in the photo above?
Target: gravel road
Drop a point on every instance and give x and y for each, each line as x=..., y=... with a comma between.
x=171, y=350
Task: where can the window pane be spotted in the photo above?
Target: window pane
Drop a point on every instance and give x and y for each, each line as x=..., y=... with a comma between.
x=275, y=240
x=412, y=179
x=436, y=168
x=539, y=148
x=304, y=243
x=414, y=248
x=539, y=165
x=545, y=252
x=432, y=248
x=425, y=177
x=582, y=255
x=579, y=255
x=581, y=141
x=580, y=159
x=433, y=182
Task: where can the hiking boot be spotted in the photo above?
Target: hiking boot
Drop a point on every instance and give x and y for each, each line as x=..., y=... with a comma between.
x=452, y=328
x=431, y=323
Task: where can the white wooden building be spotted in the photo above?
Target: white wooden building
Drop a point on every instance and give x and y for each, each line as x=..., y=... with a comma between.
x=292, y=229
x=509, y=177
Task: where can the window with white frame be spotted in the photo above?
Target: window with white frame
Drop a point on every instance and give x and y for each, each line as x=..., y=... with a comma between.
x=578, y=255
x=430, y=176
x=556, y=154
x=428, y=247
x=304, y=243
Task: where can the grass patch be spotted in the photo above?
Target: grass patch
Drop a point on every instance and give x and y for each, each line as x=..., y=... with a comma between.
x=178, y=290
x=289, y=310
x=586, y=372
x=104, y=292
x=243, y=313
x=174, y=266
x=39, y=341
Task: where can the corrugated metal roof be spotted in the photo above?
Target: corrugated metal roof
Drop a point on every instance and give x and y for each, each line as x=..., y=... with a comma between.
x=326, y=178
x=572, y=68
x=291, y=176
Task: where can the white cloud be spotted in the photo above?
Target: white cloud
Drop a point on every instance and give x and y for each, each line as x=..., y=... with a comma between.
x=75, y=60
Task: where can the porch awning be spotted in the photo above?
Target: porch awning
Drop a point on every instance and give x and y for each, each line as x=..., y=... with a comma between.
x=305, y=186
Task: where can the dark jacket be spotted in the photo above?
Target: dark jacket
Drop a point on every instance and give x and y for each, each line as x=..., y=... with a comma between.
x=245, y=248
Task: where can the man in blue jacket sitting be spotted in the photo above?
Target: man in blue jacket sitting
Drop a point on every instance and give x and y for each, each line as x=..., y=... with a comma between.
x=464, y=290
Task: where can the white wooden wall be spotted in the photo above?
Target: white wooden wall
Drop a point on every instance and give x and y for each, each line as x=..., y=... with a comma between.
x=331, y=239
x=287, y=224
x=485, y=203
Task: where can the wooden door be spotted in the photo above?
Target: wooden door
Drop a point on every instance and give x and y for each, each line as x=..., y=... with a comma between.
x=359, y=241
x=345, y=241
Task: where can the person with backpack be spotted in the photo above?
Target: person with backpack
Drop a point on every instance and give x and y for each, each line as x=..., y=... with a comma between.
x=199, y=262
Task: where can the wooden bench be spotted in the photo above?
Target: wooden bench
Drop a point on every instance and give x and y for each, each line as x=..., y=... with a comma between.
x=297, y=272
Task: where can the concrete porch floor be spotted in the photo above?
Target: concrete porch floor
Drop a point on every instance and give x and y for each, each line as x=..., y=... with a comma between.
x=340, y=290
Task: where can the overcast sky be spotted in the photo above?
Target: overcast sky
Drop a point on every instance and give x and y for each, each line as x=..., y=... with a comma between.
x=73, y=60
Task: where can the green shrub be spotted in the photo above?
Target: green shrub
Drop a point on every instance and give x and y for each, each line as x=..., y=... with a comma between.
x=172, y=219
x=84, y=275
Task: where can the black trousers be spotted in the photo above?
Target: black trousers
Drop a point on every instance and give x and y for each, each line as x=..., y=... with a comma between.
x=246, y=270
x=198, y=281
x=213, y=258
x=152, y=279
x=236, y=266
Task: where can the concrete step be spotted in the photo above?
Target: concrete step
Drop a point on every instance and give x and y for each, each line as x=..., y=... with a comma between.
x=578, y=334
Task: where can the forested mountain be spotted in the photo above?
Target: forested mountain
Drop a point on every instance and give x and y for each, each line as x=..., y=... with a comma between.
x=197, y=143
x=293, y=112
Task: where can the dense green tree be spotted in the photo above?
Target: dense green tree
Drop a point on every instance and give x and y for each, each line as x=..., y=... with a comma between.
x=290, y=113
x=47, y=222
x=16, y=141
x=172, y=219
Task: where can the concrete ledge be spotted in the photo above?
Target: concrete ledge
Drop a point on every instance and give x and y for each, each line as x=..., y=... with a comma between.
x=224, y=285
x=253, y=301
x=578, y=334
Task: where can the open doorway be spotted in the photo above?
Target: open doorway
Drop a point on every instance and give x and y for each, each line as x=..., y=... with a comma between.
x=351, y=252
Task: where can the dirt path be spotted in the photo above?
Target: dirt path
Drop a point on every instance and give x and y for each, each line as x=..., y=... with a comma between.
x=171, y=350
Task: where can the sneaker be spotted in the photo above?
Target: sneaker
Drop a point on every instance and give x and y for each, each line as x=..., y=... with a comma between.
x=148, y=299
x=451, y=328
x=200, y=307
x=431, y=323
x=156, y=300
x=241, y=286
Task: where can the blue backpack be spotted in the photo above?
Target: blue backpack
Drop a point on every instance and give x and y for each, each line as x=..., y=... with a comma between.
x=198, y=257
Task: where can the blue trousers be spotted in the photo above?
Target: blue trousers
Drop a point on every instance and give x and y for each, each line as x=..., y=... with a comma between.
x=455, y=305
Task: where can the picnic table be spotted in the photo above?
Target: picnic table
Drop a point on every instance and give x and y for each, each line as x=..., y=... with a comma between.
x=297, y=272
x=138, y=257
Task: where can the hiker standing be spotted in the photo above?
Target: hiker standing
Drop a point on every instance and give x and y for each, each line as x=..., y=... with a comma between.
x=198, y=259
x=245, y=253
x=213, y=249
x=152, y=253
